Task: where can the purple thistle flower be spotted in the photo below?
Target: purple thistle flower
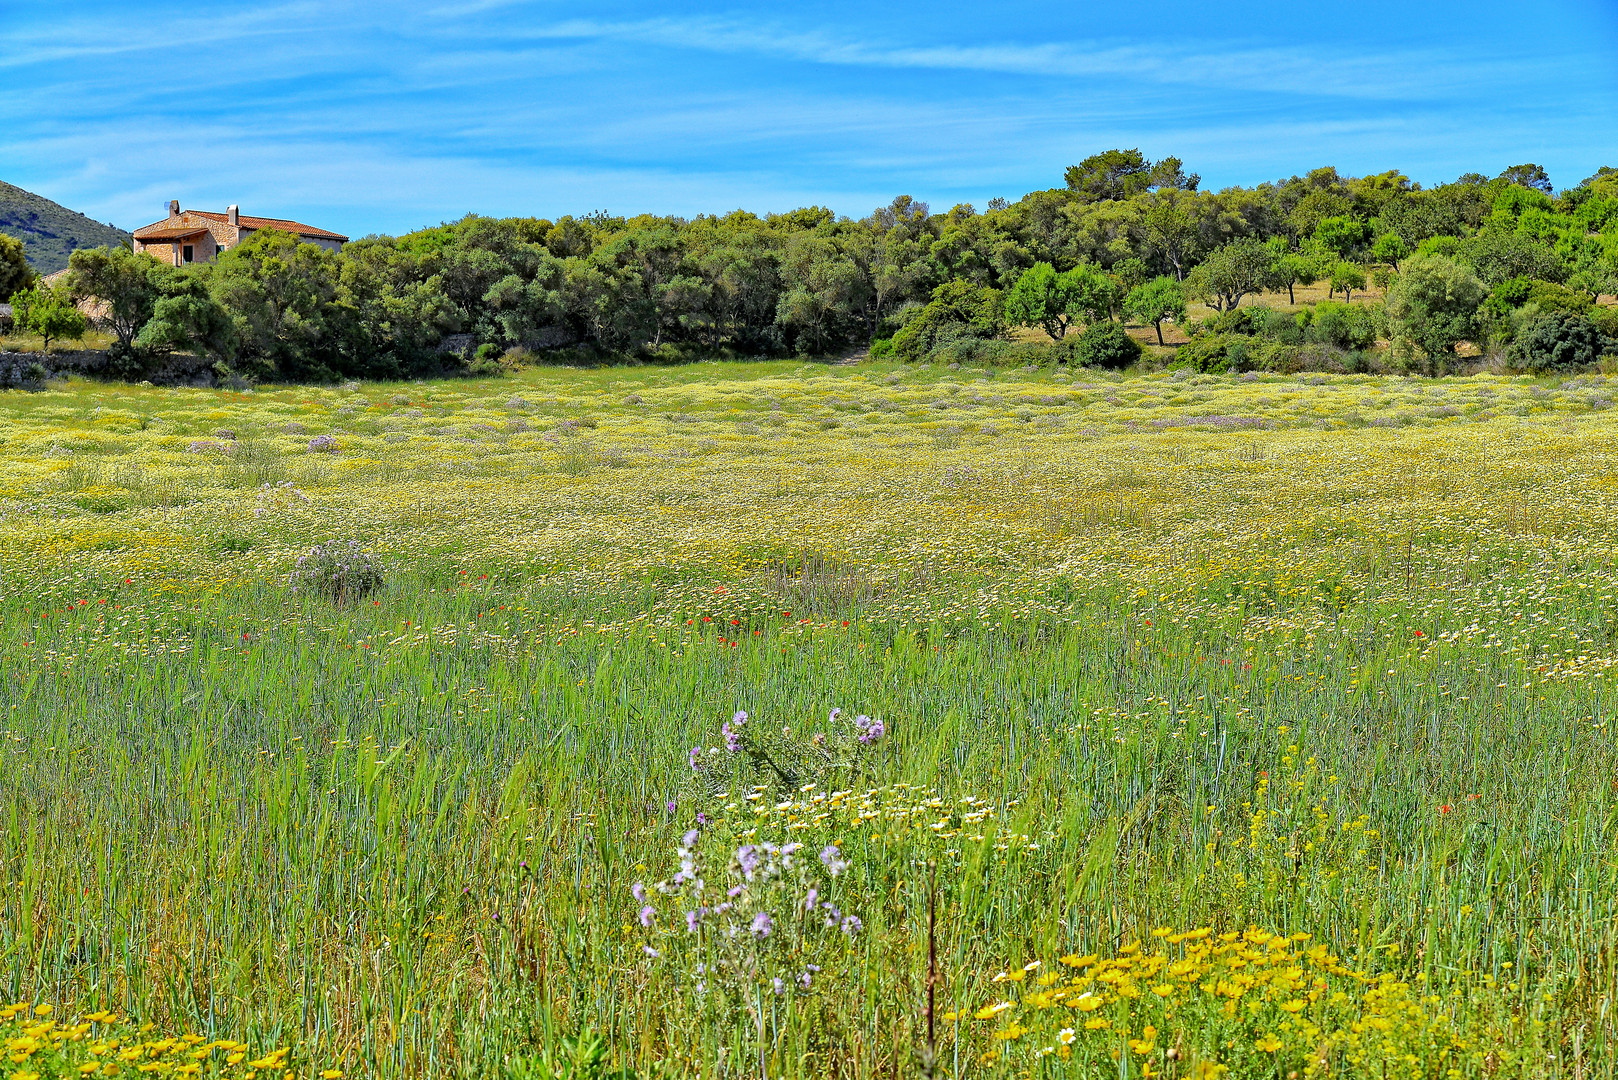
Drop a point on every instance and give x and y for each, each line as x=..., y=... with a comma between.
x=648, y=915
x=693, y=918
x=733, y=738
x=747, y=859
x=638, y=891
x=762, y=925
x=833, y=859
x=695, y=758
x=689, y=840
x=778, y=986
x=671, y=806
x=811, y=899
x=852, y=925
x=702, y=818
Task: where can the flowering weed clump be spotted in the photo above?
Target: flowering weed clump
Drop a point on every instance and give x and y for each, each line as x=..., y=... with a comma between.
x=38, y=1046
x=783, y=759
x=749, y=924
x=1244, y=1004
x=338, y=571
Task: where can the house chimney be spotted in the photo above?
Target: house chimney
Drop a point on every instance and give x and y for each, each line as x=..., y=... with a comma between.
x=233, y=214
x=174, y=208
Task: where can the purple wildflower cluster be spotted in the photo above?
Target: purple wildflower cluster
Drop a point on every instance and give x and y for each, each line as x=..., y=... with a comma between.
x=779, y=755
x=732, y=731
x=336, y=570
x=761, y=928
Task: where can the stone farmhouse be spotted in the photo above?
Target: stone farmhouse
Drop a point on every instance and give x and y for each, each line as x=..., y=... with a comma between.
x=199, y=235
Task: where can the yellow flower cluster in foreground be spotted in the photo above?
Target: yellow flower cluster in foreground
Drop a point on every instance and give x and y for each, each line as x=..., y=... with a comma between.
x=1244, y=1004
x=104, y=1044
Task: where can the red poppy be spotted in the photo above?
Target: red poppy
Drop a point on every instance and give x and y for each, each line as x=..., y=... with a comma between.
x=1446, y=808
x=1419, y=633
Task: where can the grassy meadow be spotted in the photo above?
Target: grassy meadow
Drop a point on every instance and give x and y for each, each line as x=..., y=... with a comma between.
x=1257, y=726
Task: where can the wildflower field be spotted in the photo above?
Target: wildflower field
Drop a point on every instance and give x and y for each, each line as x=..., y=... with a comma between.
x=811, y=721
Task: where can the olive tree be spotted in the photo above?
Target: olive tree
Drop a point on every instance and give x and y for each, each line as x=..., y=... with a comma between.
x=49, y=313
x=1434, y=305
x=1239, y=268
x=1158, y=299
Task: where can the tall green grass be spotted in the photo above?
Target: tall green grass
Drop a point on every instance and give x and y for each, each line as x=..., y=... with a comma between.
x=415, y=859
x=1348, y=681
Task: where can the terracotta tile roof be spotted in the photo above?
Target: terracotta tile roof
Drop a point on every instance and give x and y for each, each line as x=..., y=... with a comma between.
x=273, y=223
x=162, y=230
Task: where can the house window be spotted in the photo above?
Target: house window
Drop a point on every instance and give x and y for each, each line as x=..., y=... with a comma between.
x=188, y=253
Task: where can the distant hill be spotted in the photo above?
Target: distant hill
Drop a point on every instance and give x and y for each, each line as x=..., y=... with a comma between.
x=49, y=231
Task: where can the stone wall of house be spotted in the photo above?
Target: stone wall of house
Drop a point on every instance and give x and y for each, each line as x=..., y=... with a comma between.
x=206, y=248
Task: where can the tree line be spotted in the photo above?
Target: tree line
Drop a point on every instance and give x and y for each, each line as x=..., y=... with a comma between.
x=1490, y=260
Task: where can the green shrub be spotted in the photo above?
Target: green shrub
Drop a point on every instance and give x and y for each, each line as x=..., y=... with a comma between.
x=1205, y=353
x=957, y=310
x=1345, y=326
x=131, y=362
x=1105, y=345
x=1247, y=320
x=336, y=571
x=485, y=363
x=1000, y=353
x=1558, y=341
x=1605, y=319
x=881, y=348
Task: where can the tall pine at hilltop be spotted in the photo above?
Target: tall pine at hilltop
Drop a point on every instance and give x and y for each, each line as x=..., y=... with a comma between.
x=49, y=231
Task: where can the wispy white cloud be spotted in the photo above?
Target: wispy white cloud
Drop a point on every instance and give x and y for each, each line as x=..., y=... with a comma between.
x=1207, y=60
x=372, y=117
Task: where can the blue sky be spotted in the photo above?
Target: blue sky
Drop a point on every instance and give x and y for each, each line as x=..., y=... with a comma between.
x=386, y=117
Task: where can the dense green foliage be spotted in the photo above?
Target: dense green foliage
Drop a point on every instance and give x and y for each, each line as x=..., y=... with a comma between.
x=47, y=312
x=15, y=273
x=1125, y=238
